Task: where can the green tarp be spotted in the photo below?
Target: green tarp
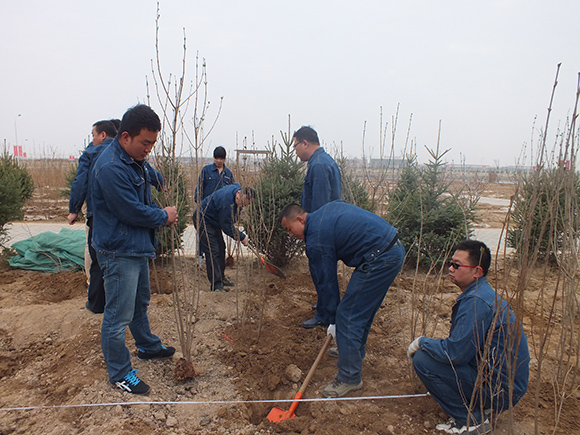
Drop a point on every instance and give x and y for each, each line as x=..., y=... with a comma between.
x=51, y=252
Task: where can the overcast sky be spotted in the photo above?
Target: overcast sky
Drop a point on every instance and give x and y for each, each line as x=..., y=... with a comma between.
x=484, y=69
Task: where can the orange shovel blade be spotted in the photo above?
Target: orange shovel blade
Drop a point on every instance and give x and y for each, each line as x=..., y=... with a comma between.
x=278, y=414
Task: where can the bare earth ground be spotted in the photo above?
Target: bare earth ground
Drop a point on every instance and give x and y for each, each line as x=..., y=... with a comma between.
x=50, y=356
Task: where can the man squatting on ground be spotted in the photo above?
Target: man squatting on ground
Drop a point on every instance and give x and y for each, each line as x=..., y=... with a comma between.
x=219, y=212
x=125, y=219
x=212, y=178
x=449, y=367
x=365, y=241
x=322, y=183
x=103, y=134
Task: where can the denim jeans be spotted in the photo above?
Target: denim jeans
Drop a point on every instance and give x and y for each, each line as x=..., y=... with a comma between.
x=452, y=387
x=356, y=311
x=128, y=295
x=96, y=291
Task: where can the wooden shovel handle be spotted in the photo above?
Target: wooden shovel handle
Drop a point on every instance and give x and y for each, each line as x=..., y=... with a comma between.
x=316, y=362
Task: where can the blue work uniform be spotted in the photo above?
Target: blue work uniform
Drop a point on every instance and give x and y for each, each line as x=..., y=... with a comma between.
x=442, y=364
x=219, y=212
x=365, y=241
x=80, y=192
x=211, y=179
x=322, y=181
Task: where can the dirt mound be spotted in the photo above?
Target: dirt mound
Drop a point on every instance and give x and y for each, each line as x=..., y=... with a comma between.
x=244, y=343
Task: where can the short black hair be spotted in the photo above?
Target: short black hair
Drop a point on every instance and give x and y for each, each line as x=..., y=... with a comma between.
x=249, y=193
x=137, y=118
x=290, y=211
x=107, y=126
x=306, y=133
x=219, y=153
x=478, y=253
x=116, y=122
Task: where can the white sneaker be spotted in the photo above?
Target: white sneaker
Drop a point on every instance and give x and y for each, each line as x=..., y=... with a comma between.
x=453, y=427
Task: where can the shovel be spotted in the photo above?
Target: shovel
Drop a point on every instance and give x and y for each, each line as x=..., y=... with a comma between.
x=269, y=266
x=278, y=414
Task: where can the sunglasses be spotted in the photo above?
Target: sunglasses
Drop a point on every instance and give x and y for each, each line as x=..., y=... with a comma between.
x=457, y=265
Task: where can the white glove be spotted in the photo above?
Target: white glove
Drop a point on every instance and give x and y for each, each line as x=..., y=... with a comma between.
x=331, y=331
x=414, y=347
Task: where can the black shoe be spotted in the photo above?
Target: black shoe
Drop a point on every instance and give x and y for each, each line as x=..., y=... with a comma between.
x=313, y=323
x=315, y=307
x=165, y=352
x=132, y=384
x=227, y=282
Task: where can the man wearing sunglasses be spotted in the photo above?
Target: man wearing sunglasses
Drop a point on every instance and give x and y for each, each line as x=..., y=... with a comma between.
x=469, y=372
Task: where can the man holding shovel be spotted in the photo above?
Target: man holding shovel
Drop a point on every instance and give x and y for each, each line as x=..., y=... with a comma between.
x=218, y=212
x=365, y=241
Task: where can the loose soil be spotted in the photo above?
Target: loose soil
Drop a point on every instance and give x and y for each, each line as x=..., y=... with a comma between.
x=245, y=343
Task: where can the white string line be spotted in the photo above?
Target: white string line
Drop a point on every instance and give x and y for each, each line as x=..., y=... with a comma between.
x=210, y=402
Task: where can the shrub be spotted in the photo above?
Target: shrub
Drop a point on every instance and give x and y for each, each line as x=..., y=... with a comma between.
x=429, y=217
x=538, y=211
x=280, y=184
x=353, y=189
x=16, y=186
x=176, y=194
x=69, y=178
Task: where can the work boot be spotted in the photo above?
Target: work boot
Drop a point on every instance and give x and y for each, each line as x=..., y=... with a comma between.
x=333, y=352
x=227, y=282
x=312, y=323
x=339, y=389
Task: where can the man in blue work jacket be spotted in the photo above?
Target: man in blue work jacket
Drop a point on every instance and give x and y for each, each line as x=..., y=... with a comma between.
x=365, y=241
x=322, y=183
x=125, y=219
x=219, y=212
x=469, y=372
x=213, y=176
x=103, y=134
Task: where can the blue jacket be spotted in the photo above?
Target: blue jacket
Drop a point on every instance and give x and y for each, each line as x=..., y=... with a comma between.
x=211, y=179
x=322, y=181
x=124, y=215
x=342, y=231
x=81, y=186
x=221, y=211
x=472, y=318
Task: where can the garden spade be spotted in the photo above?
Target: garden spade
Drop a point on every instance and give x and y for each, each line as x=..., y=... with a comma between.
x=278, y=414
x=269, y=266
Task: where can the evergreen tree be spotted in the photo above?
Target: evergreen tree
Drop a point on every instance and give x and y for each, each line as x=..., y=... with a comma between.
x=280, y=184
x=16, y=186
x=539, y=208
x=429, y=217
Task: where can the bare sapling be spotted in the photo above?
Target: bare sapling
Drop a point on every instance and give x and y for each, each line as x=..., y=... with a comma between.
x=177, y=99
